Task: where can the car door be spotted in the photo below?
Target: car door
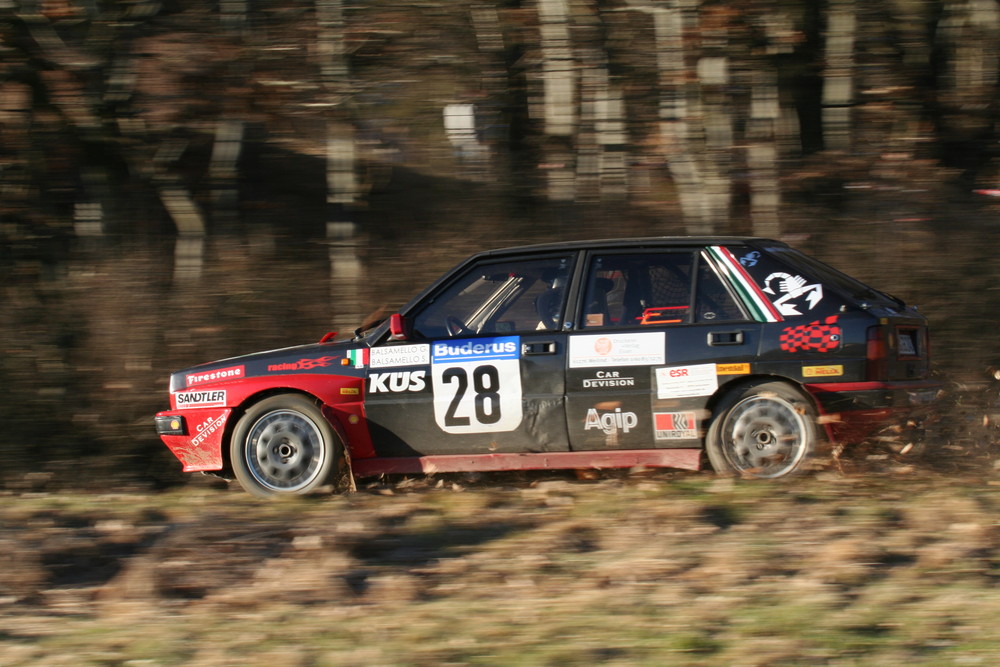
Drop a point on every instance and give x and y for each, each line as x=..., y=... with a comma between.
x=658, y=332
x=483, y=370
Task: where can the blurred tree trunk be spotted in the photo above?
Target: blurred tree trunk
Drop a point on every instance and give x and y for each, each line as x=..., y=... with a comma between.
x=341, y=157
x=559, y=82
x=838, y=76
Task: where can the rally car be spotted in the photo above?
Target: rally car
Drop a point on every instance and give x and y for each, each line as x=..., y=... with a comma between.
x=654, y=352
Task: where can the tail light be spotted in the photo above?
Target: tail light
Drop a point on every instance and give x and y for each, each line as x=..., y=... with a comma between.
x=877, y=353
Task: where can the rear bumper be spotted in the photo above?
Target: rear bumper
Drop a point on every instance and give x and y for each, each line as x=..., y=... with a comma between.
x=854, y=410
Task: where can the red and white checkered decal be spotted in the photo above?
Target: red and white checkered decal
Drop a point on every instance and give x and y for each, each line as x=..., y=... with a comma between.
x=815, y=336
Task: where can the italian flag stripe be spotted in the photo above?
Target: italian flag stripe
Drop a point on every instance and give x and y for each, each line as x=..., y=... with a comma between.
x=358, y=357
x=763, y=309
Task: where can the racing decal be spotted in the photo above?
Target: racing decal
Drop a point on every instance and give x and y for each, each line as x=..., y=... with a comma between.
x=217, y=375
x=686, y=381
x=822, y=371
x=732, y=369
x=301, y=365
x=753, y=297
x=200, y=399
x=382, y=383
x=610, y=422
x=399, y=355
x=815, y=336
x=637, y=349
x=795, y=292
x=606, y=379
x=675, y=425
x=357, y=358
x=477, y=384
x=207, y=428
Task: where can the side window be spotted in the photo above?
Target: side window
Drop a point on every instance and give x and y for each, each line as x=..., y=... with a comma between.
x=650, y=289
x=497, y=297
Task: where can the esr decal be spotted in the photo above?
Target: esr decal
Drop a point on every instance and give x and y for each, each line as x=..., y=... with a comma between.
x=381, y=383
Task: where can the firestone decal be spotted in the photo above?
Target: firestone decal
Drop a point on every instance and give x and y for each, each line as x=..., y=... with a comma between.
x=815, y=336
x=200, y=399
x=218, y=374
x=675, y=425
x=792, y=288
x=382, y=383
x=610, y=422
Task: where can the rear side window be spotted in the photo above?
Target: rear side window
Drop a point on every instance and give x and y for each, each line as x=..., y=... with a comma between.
x=654, y=289
x=793, y=287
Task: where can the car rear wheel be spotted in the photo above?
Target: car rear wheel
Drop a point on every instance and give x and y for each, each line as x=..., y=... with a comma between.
x=284, y=446
x=765, y=429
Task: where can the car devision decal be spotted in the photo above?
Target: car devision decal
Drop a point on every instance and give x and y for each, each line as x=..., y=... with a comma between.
x=816, y=336
x=216, y=375
x=477, y=384
x=637, y=349
x=760, y=306
x=200, y=399
x=207, y=428
x=605, y=379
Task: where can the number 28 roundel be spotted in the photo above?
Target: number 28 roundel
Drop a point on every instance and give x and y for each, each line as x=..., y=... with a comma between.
x=477, y=384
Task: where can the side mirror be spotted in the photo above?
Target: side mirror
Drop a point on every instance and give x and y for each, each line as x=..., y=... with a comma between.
x=398, y=327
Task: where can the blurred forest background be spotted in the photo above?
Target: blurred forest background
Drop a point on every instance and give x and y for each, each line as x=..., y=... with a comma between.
x=182, y=180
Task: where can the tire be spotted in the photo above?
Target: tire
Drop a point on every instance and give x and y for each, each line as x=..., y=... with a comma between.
x=765, y=430
x=284, y=446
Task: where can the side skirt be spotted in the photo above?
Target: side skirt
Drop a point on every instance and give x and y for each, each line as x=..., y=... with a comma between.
x=685, y=459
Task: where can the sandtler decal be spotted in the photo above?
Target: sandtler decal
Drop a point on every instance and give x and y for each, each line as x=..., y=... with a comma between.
x=200, y=399
x=686, y=381
x=636, y=349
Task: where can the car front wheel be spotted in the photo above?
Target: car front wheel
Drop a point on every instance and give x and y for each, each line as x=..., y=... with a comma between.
x=284, y=446
x=765, y=429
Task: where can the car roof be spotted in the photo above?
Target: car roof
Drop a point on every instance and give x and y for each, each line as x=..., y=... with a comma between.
x=642, y=241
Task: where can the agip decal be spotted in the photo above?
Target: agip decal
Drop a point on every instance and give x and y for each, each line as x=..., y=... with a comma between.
x=477, y=384
x=610, y=422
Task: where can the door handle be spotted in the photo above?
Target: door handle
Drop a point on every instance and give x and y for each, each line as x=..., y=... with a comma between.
x=725, y=338
x=540, y=347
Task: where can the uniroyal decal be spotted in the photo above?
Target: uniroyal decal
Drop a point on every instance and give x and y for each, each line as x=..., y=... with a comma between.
x=816, y=336
x=207, y=428
x=732, y=369
x=399, y=355
x=686, y=381
x=638, y=349
x=610, y=422
x=383, y=383
x=215, y=376
x=200, y=399
x=302, y=364
x=822, y=371
x=675, y=425
x=604, y=379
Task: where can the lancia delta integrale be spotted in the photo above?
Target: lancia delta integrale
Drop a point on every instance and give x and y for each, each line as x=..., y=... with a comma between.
x=652, y=352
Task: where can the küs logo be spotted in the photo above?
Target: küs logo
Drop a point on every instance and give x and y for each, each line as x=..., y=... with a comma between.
x=384, y=383
x=610, y=422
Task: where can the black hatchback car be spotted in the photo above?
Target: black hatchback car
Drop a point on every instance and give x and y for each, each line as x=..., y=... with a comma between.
x=600, y=354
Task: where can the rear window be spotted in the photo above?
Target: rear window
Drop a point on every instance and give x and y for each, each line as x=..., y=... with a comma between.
x=793, y=286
